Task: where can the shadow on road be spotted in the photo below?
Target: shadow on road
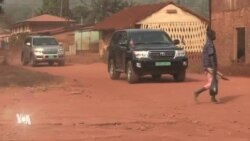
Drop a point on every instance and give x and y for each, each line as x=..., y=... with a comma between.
x=54, y=65
x=164, y=79
x=226, y=99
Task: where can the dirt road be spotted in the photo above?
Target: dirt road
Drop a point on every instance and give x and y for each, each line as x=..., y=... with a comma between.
x=90, y=106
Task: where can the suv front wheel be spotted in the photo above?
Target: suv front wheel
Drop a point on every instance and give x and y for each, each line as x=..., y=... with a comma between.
x=132, y=77
x=112, y=70
x=180, y=76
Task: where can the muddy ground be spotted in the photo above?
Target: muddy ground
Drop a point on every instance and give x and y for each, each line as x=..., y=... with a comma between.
x=87, y=105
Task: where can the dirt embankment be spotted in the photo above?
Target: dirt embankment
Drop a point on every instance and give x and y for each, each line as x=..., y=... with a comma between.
x=16, y=76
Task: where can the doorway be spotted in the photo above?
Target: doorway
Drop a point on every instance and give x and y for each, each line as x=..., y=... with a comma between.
x=241, y=45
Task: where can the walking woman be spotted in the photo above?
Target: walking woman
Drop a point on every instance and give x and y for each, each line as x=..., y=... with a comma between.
x=209, y=63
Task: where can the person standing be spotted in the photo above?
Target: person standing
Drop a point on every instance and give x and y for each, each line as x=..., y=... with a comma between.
x=209, y=63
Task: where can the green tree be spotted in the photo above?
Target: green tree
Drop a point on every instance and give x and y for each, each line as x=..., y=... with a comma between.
x=96, y=10
x=105, y=8
x=1, y=8
x=55, y=7
x=80, y=13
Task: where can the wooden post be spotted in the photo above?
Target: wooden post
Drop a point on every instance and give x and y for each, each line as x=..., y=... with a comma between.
x=210, y=13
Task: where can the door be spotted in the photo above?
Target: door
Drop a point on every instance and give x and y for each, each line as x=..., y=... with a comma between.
x=115, y=49
x=123, y=48
x=241, y=45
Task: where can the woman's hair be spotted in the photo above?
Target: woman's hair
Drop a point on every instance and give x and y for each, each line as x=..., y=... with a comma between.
x=211, y=34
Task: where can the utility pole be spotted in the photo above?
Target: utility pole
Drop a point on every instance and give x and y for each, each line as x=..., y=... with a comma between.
x=61, y=9
x=210, y=13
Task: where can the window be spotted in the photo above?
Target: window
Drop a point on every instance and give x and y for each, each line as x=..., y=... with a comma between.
x=150, y=37
x=44, y=41
x=28, y=40
x=123, y=38
x=114, y=39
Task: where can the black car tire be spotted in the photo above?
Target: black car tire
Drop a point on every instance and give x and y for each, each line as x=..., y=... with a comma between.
x=114, y=75
x=180, y=76
x=61, y=63
x=51, y=63
x=24, y=61
x=33, y=61
x=156, y=76
x=132, y=77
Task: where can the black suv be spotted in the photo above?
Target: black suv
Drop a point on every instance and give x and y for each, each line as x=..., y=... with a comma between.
x=139, y=52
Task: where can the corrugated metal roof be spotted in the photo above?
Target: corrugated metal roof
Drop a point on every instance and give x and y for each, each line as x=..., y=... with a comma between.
x=128, y=17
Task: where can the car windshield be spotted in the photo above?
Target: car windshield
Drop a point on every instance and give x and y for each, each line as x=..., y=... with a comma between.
x=44, y=41
x=152, y=37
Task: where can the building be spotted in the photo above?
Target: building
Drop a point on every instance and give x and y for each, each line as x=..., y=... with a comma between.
x=230, y=20
x=179, y=22
x=40, y=23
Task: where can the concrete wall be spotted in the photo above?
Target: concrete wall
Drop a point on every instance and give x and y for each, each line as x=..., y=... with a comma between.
x=87, y=40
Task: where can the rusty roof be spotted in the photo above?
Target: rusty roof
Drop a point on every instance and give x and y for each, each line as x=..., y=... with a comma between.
x=47, y=18
x=60, y=30
x=128, y=17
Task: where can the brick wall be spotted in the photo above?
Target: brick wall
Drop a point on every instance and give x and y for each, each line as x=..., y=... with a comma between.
x=225, y=24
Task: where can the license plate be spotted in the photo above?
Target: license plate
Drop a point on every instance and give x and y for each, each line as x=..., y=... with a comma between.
x=162, y=63
x=50, y=56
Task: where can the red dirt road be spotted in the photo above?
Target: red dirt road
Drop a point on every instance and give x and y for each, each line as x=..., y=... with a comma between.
x=89, y=106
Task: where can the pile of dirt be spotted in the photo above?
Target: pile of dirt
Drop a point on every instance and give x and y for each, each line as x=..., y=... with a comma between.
x=15, y=76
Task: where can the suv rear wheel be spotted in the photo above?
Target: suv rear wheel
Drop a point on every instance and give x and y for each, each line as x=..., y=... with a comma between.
x=132, y=77
x=180, y=76
x=24, y=60
x=33, y=61
x=51, y=63
x=112, y=70
x=61, y=63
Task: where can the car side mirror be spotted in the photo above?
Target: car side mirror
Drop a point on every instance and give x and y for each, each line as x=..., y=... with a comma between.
x=60, y=44
x=28, y=44
x=123, y=43
x=176, y=42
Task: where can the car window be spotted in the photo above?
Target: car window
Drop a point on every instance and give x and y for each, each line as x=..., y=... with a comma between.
x=123, y=38
x=150, y=37
x=114, y=40
x=27, y=40
x=44, y=41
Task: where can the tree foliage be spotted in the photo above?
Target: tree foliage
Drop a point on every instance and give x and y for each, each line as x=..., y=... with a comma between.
x=55, y=7
x=96, y=10
x=1, y=8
